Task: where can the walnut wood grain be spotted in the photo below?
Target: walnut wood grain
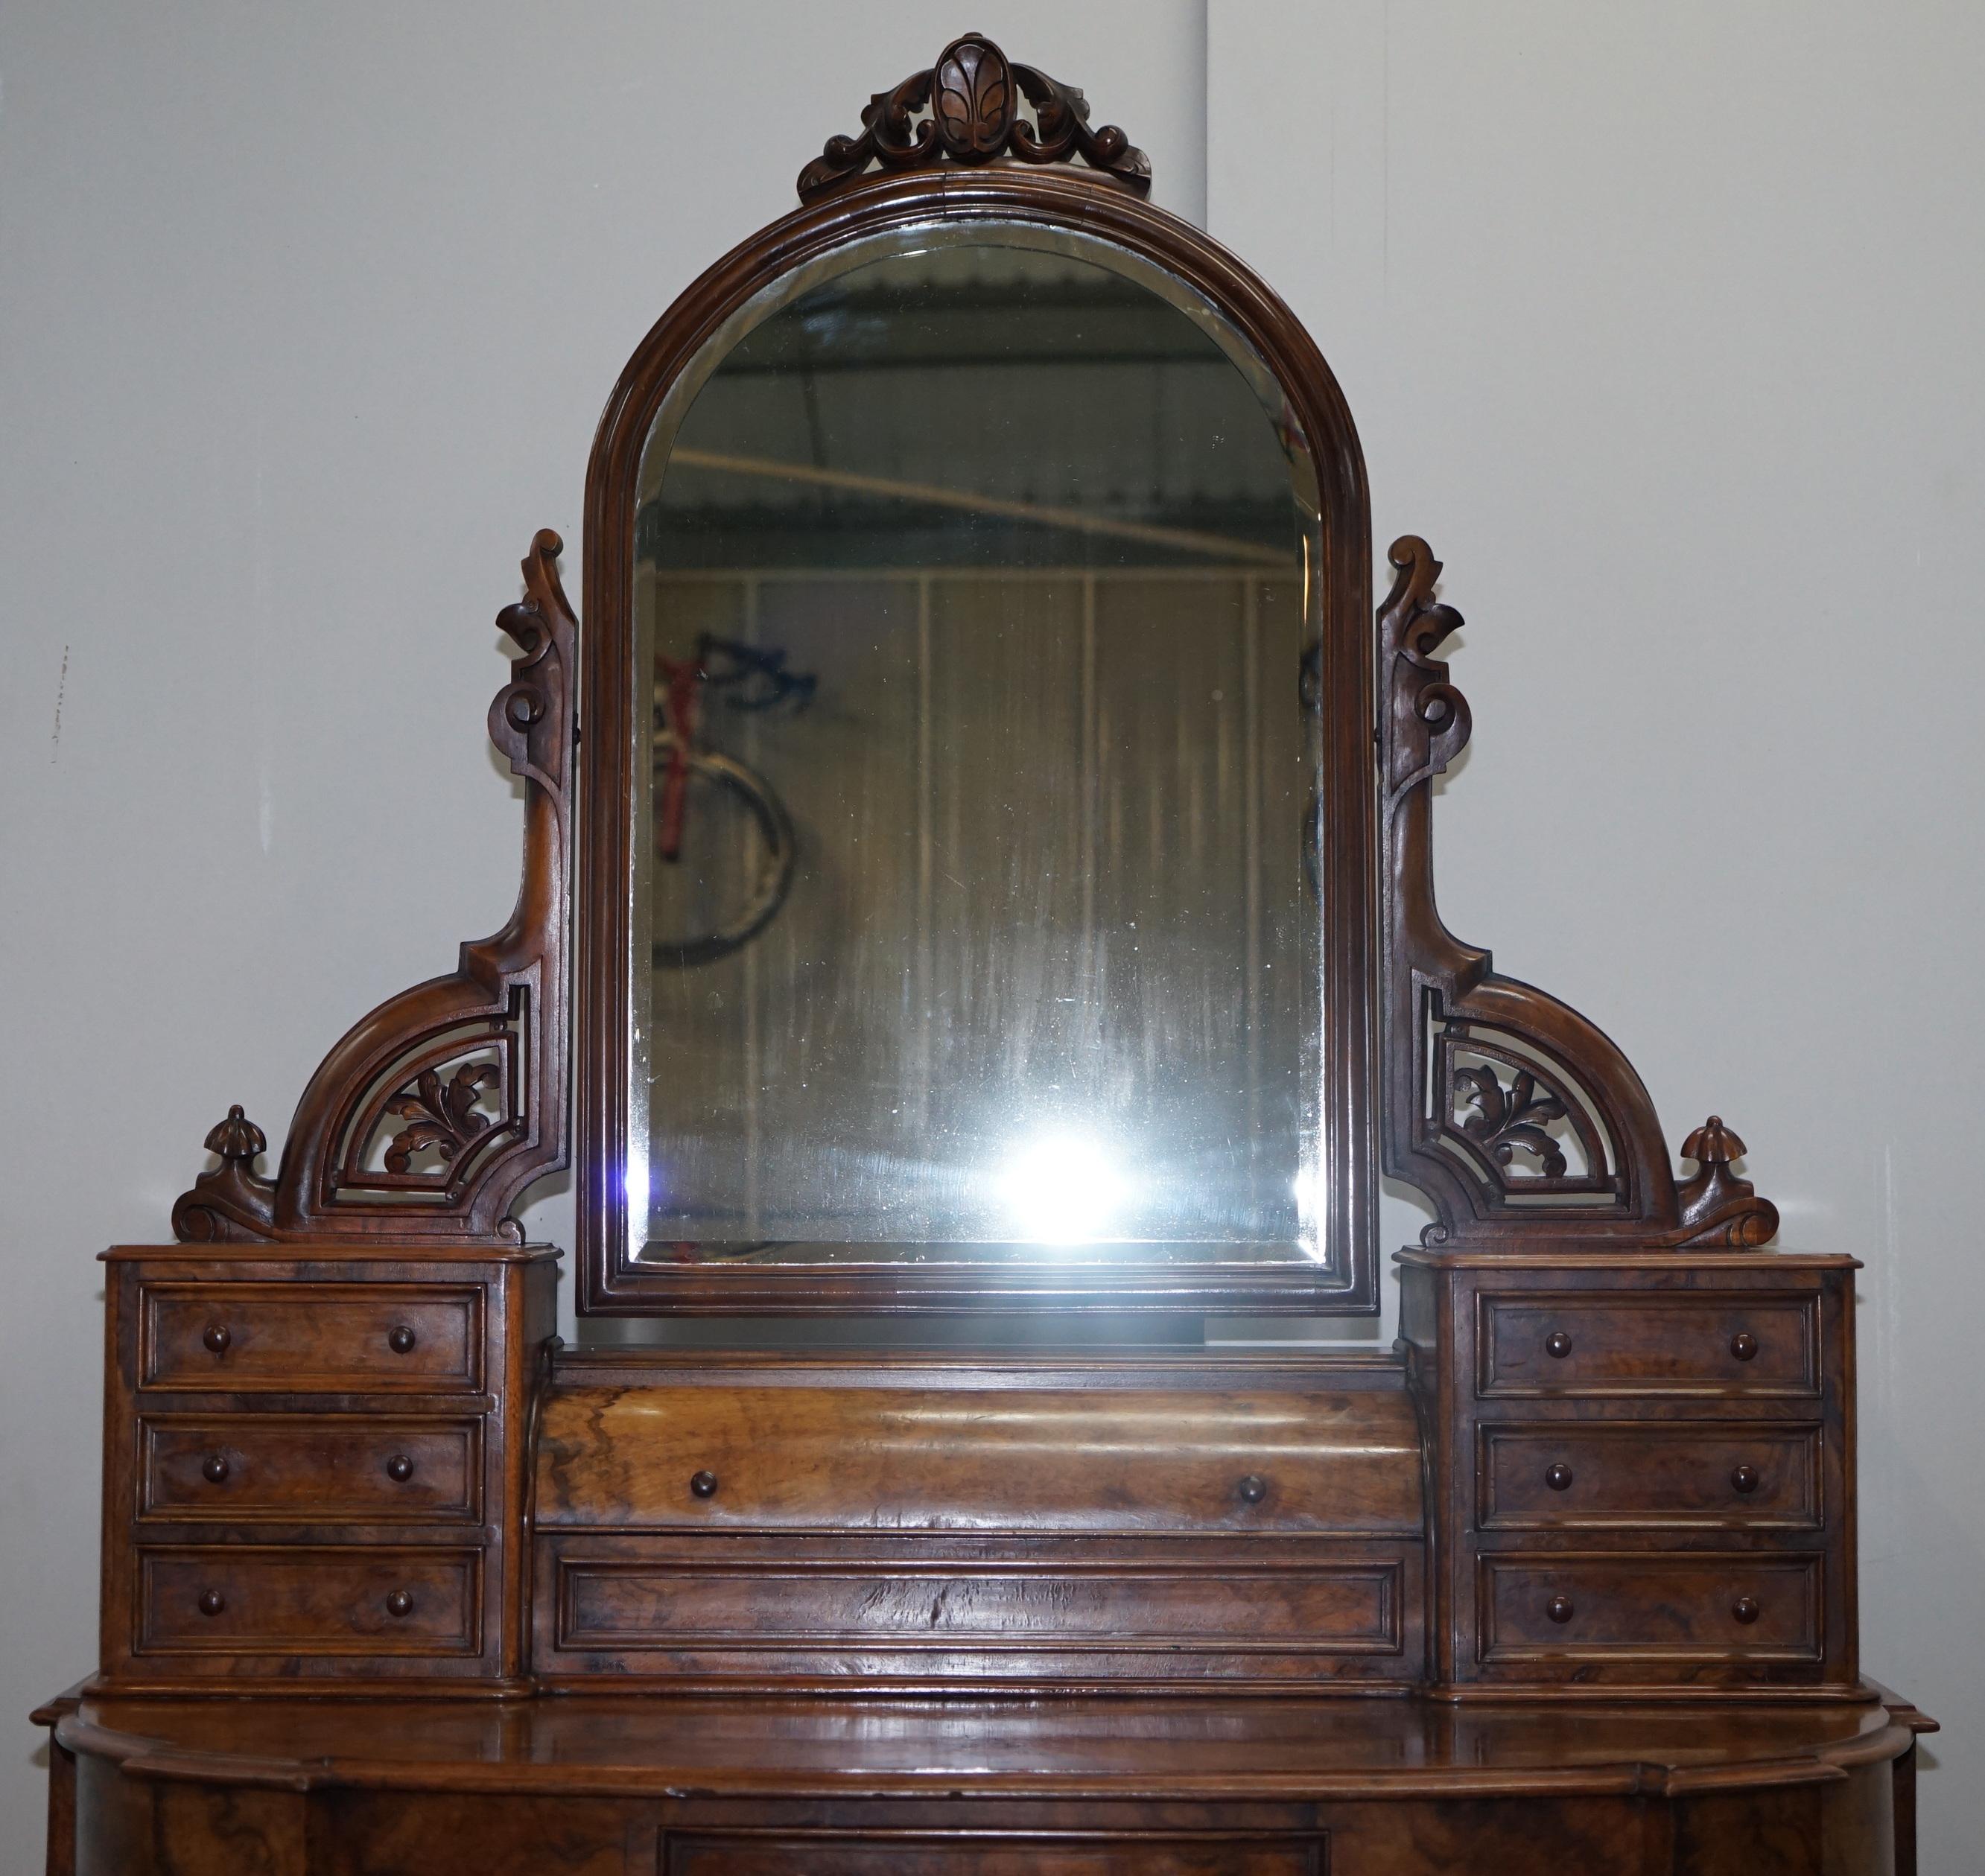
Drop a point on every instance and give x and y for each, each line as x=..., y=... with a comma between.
x=919, y=1613
x=313, y=1456
x=946, y=1455
x=1646, y=1532
x=309, y=1467
x=1651, y=1344
x=240, y=1599
x=1596, y=1475
x=264, y=1338
x=1659, y=1610
x=604, y=1786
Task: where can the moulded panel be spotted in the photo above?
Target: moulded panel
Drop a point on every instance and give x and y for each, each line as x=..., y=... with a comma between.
x=1568, y=1475
x=235, y=1599
x=292, y=1338
x=309, y=1468
x=1714, y=1342
x=1733, y=1608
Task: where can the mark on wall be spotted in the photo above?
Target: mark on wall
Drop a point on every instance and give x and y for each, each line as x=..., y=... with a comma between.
x=62, y=684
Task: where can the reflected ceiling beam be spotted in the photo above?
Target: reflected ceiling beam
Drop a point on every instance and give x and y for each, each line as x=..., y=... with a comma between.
x=1187, y=540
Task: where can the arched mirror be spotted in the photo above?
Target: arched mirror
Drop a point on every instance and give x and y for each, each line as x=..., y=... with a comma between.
x=975, y=685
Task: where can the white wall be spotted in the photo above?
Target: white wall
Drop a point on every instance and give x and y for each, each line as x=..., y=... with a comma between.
x=1655, y=318
x=1661, y=322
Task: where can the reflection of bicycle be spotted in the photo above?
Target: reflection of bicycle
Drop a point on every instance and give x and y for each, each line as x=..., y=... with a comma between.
x=741, y=826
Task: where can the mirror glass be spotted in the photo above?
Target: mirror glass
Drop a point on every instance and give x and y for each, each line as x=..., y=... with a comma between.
x=973, y=915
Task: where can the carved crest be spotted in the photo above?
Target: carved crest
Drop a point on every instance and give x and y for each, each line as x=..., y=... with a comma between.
x=966, y=108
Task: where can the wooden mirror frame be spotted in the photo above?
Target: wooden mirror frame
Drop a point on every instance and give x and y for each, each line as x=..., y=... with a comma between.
x=1098, y=203
x=432, y=1117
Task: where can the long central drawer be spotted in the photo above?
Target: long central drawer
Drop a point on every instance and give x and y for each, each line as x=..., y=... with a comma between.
x=1092, y=1461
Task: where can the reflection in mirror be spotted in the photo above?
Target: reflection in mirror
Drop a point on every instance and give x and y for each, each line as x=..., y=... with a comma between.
x=972, y=910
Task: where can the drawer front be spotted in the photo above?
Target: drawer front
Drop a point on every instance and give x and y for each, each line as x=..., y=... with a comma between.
x=309, y=1468
x=1706, y=1343
x=231, y=1599
x=299, y=1338
x=1569, y=1475
x=610, y=1605
x=973, y=1853
x=1087, y=1461
x=1694, y=1607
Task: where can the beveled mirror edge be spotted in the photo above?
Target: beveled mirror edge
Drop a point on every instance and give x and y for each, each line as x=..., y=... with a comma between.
x=1241, y=1257
x=613, y=1280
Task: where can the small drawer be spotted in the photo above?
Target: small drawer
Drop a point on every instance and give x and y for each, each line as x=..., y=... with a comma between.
x=301, y=1338
x=1693, y=1606
x=246, y=1600
x=1569, y=1475
x=309, y=1468
x=1708, y=1342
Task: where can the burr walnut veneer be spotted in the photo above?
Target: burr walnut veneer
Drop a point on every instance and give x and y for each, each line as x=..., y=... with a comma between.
x=395, y=1581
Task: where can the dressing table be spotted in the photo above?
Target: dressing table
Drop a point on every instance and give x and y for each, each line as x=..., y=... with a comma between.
x=977, y=921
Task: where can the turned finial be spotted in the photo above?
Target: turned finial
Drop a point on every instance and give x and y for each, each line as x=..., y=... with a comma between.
x=236, y=1138
x=1712, y=1144
x=1716, y=1206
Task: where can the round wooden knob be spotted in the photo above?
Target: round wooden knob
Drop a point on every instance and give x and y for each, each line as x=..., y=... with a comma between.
x=216, y=1336
x=1558, y=1477
x=1743, y=1345
x=1559, y=1609
x=213, y=1468
x=399, y=1605
x=399, y=1469
x=212, y=1602
x=1254, y=1488
x=704, y=1484
x=1743, y=1479
x=1745, y=1609
x=401, y=1339
x=1557, y=1344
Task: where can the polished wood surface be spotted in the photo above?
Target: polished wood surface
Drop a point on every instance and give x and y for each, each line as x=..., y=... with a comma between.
x=1641, y=1469
x=235, y=1337
x=932, y=1521
x=314, y=1462
x=1120, y=1746
x=1189, y=1445
x=614, y=1786
x=318, y=1468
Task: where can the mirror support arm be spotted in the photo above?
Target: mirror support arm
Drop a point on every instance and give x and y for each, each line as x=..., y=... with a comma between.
x=432, y=1115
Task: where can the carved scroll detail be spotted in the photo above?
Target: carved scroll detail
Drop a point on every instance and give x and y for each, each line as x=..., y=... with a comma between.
x=965, y=109
x=1492, y=1086
x=1717, y=1206
x=433, y=1114
x=233, y=1204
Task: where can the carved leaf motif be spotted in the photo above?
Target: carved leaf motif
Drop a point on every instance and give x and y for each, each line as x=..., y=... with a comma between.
x=972, y=95
x=444, y=1115
x=973, y=99
x=1507, y=1120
